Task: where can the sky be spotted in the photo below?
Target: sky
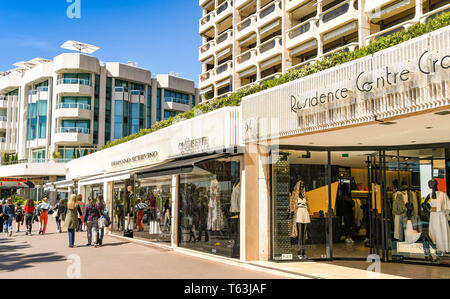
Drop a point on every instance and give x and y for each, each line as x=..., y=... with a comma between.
x=161, y=35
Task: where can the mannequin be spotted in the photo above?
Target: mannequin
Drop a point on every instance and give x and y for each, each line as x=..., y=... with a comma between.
x=215, y=215
x=439, y=229
x=299, y=209
x=399, y=212
x=236, y=198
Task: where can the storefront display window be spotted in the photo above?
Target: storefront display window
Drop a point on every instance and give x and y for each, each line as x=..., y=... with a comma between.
x=209, y=200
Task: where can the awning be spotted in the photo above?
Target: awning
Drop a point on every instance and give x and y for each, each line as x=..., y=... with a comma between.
x=177, y=166
x=120, y=176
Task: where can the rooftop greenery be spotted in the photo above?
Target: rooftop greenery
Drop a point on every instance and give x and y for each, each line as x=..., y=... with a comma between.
x=342, y=57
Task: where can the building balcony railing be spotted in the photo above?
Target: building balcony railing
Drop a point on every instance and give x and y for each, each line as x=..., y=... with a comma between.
x=74, y=81
x=206, y=50
x=270, y=77
x=302, y=64
x=269, y=13
x=302, y=33
x=434, y=13
x=224, y=10
x=65, y=130
x=246, y=27
x=270, y=48
x=206, y=79
x=347, y=48
x=338, y=15
x=292, y=4
x=389, y=31
x=207, y=22
x=223, y=71
x=224, y=40
x=73, y=106
x=246, y=60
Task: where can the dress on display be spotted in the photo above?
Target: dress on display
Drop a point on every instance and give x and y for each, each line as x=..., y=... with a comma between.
x=236, y=199
x=399, y=211
x=302, y=211
x=439, y=229
x=411, y=235
x=298, y=196
x=215, y=215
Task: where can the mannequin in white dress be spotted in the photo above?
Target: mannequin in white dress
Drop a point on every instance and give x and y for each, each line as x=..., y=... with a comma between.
x=439, y=229
x=299, y=206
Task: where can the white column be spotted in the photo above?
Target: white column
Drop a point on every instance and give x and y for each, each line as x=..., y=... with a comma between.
x=419, y=10
x=363, y=23
x=174, y=220
x=319, y=38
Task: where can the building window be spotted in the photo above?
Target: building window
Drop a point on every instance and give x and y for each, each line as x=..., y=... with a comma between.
x=108, y=106
x=169, y=113
x=149, y=107
x=158, y=105
x=118, y=119
x=176, y=97
x=96, y=108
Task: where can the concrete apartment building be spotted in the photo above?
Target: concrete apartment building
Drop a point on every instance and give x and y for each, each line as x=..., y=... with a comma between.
x=250, y=41
x=54, y=111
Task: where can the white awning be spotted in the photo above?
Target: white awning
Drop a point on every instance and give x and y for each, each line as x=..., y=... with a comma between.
x=110, y=177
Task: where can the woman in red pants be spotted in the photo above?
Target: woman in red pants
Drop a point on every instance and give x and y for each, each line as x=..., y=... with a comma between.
x=44, y=207
x=140, y=208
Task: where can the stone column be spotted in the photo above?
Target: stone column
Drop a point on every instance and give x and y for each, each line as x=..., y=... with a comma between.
x=363, y=24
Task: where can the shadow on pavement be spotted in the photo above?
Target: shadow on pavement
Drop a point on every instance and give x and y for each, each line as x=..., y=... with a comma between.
x=10, y=261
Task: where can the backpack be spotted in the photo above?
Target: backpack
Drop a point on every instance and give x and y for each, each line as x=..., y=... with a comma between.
x=19, y=213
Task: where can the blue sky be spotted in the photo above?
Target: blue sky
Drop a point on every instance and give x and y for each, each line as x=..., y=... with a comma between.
x=161, y=35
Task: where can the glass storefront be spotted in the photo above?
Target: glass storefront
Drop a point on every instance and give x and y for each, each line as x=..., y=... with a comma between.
x=209, y=205
x=351, y=204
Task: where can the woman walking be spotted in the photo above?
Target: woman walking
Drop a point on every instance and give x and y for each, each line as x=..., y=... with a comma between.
x=71, y=218
x=29, y=215
x=19, y=216
x=9, y=211
x=90, y=217
x=60, y=210
x=43, y=207
x=104, y=215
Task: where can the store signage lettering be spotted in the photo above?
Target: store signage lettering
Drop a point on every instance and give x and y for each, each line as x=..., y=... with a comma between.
x=190, y=146
x=389, y=78
x=144, y=157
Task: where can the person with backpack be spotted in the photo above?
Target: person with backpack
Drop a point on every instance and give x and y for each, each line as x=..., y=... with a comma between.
x=90, y=217
x=29, y=215
x=60, y=210
x=44, y=208
x=9, y=210
x=19, y=216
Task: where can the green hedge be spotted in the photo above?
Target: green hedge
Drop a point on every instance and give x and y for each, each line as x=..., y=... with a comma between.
x=339, y=58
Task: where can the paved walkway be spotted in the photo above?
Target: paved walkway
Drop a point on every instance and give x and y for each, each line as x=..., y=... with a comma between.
x=47, y=256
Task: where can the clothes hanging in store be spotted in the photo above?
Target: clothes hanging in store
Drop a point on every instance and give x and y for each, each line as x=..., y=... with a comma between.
x=399, y=212
x=215, y=215
x=236, y=199
x=439, y=229
x=359, y=213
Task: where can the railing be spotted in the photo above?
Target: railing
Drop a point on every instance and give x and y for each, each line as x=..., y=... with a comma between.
x=206, y=76
x=206, y=46
x=223, y=7
x=300, y=28
x=207, y=18
x=73, y=106
x=43, y=160
x=346, y=48
x=137, y=92
x=335, y=11
x=434, y=13
x=269, y=45
x=224, y=67
x=120, y=89
x=224, y=36
x=74, y=81
x=3, y=118
x=245, y=56
x=245, y=23
x=302, y=64
x=270, y=77
x=23, y=161
x=389, y=31
x=268, y=9
x=72, y=130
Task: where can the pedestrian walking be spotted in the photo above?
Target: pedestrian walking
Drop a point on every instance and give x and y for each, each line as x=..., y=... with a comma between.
x=19, y=216
x=90, y=217
x=60, y=213
x=80, y=219
x=2, y=216
x=104, y=218
x=44, y=208
x=29, y=215
x=9, y=211
x=71, y=219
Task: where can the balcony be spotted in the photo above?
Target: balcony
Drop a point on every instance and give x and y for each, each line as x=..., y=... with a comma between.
x=389, y=31
x=347, y=48
x=223, y=71
x=270, y=77
x=293, y=4
x=202, y=3
x=207, y=22
x=206, y=50
x=302, y=64
x=246, y=60
x=3, y=122
x=435, y=13
x=73, y=110
x=246, y=27
x=302, y=33
x=224, y=40
x=269, y=13
x=206, y=79
x=73, y=86
x=72, y=135
x=270, y=49
x=224, y=10
x=137, y=96
x=241, y=3
x=337, y=16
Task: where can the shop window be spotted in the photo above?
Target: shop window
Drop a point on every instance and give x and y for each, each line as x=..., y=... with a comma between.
x=209, y=205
